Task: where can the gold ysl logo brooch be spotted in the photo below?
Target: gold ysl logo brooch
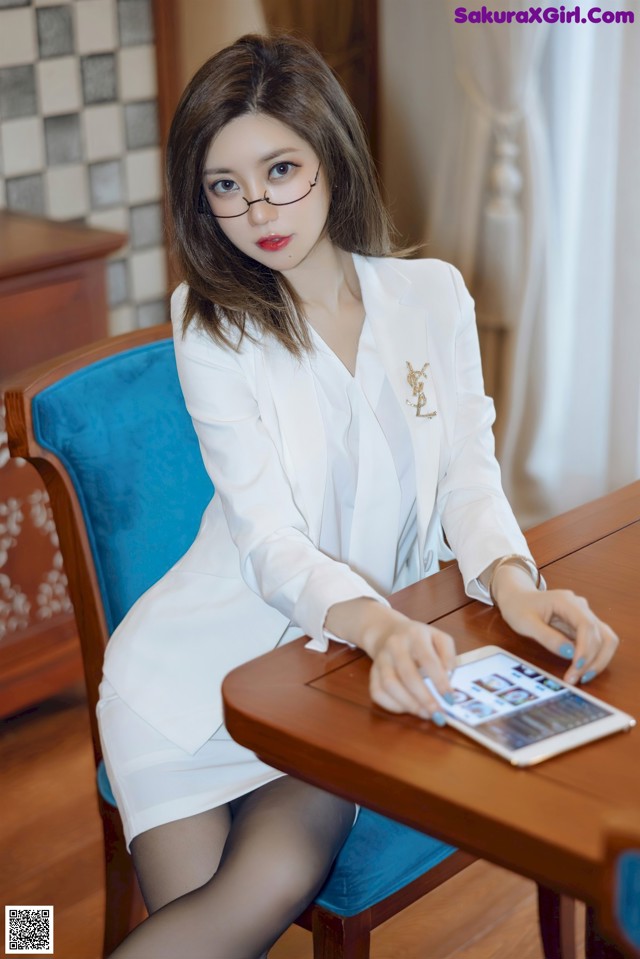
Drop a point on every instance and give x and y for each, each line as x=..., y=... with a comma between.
x=415, y=379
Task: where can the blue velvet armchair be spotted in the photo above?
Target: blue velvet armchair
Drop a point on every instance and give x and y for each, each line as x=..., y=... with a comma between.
x=107, y=429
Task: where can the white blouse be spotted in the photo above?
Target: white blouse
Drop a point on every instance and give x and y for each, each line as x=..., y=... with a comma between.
x=370, y=488
x=370, y=492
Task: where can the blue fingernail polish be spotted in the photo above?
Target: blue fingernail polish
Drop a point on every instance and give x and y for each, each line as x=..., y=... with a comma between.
x=439, y=719
x=589, y=676
x=566, y=651
x=449, y=698
x=580, y=662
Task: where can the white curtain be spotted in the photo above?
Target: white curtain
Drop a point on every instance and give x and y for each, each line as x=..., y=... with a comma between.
x=536, y=200
x=592, y=415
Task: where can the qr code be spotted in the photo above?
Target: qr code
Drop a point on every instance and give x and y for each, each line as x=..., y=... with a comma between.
x=28, y=930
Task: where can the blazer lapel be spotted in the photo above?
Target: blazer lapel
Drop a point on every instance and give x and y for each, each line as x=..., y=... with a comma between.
x=296, y=424
x=399, y=325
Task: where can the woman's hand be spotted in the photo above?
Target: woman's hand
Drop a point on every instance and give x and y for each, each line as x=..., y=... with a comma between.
x=402, y=651
x=558, y=619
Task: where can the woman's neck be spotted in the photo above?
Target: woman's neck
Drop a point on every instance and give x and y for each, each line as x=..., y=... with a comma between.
x=327, y=284
x=326, y=281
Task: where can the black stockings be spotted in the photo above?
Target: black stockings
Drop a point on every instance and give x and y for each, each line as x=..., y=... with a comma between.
x=226, y=884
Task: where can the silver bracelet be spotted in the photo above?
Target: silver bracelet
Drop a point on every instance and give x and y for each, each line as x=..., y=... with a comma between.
x=516, y=560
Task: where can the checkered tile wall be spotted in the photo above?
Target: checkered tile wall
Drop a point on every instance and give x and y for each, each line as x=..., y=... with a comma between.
x=79, y=133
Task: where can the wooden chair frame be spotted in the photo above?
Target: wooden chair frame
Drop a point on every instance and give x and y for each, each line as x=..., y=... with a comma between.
x=334, y=937
x=124, y=906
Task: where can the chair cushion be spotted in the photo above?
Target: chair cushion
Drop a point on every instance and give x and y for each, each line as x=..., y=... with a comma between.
x=119, y=481
x=104, y=786
x=379, y=858
x=627, y=895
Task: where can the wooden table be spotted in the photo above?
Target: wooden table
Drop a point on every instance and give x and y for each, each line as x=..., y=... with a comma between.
x=310, y=714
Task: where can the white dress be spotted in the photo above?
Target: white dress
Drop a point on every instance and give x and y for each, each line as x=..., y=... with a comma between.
x=370, y=487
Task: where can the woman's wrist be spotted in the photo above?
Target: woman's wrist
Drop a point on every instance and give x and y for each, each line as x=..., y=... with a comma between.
x=360, y=621
x=511, y=575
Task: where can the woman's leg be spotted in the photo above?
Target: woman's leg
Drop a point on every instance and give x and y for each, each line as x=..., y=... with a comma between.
x=227, y=883
x=174, y=859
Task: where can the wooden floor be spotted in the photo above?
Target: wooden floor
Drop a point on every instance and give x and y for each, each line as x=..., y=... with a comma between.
x=51, y=853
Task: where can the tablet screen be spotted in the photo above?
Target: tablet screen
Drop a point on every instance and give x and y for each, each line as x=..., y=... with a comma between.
x=514, y=704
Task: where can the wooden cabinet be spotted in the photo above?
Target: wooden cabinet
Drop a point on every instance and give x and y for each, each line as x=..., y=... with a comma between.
x=52, y=299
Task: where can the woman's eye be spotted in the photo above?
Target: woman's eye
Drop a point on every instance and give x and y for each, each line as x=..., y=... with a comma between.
x=221, y=187
x=281, y=169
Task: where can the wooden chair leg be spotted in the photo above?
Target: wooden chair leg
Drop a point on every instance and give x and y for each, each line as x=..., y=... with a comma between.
x=556, y=915
x=596, y=945
x=124, y=907
x=340, y=937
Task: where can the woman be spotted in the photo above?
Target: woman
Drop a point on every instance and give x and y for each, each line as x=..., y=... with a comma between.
x=337, y=396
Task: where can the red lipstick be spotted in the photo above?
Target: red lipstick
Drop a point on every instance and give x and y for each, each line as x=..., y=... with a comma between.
x=273, y=243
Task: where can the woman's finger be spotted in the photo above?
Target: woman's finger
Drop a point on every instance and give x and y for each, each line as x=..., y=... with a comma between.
x=593, y=643
x=584, y=672
x=564, y=624
x=533, y=625
x=446, y=649
x=389, y=692
x=411, y=672
x=402, y=663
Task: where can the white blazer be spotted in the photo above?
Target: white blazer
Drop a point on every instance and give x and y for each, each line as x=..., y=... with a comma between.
x=254, y=567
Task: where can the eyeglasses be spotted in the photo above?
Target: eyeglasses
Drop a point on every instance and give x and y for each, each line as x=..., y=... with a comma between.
x=281, y=192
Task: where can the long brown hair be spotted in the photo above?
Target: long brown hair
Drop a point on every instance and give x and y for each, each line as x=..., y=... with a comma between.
x=287, y=79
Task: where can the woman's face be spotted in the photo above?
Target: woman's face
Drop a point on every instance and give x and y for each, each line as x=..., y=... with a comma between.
x=256, y=155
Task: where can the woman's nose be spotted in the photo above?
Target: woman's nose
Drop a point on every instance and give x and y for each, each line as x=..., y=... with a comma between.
x=262, y=212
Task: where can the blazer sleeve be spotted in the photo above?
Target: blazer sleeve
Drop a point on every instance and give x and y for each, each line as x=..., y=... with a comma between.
x=476, y=517
x=278, y=560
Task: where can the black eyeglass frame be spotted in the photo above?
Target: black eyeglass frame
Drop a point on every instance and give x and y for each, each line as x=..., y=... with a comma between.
x=250, y=203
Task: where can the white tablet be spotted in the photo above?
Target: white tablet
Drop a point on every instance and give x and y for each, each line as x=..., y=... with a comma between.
x=522, y=713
